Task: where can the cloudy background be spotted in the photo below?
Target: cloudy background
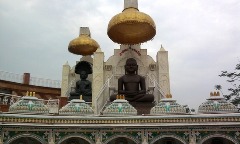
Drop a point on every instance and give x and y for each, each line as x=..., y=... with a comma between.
x=201, y=36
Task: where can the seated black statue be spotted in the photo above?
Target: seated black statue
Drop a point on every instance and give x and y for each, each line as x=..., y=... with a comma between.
x=132, y=85
x=83, y=86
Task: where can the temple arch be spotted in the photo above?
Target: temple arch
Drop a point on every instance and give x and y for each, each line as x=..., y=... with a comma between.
x=116, y=137
x=218, y=137
x=165, y=138
x=75, y=138
x=26, y=138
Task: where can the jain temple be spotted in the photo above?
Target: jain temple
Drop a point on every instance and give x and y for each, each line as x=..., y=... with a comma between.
x=124, y=100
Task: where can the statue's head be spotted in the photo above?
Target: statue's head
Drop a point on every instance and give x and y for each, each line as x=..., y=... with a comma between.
x=83, y=66
x=83, y=75
x=131, y=66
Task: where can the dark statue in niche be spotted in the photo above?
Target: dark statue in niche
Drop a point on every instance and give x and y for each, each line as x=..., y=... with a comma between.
x=132, y=85
x=83, y=86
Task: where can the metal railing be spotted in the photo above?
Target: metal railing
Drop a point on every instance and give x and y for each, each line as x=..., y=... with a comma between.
x=18, y=78
x=45, y=82
x=7, y=76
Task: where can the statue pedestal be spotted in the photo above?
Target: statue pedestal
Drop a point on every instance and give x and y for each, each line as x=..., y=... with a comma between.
x=142, y=107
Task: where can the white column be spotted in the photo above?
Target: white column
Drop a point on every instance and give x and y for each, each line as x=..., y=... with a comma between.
x=65, y=79
x=98, y=79
x=163, y=70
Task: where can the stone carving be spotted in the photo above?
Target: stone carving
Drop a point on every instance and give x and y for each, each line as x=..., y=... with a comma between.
x=108, y=67
x=83, y=86
x=132, y=85
x=152, y=67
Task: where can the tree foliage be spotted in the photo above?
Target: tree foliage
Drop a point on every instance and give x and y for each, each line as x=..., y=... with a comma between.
x=234, y=79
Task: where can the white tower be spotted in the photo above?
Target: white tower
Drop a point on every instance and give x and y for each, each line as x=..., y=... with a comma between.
x=163, y=70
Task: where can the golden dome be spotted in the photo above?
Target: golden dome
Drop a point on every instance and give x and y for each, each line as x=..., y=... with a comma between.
x=84, y=44
x=131, y=27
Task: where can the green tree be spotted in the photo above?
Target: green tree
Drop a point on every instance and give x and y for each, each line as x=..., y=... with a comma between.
x=233, y=78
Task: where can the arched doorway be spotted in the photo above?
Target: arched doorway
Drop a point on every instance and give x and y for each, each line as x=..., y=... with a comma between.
x=218, y=140
x=25, y=140
x=168, y=140
x=75, y=140
x=121, y=140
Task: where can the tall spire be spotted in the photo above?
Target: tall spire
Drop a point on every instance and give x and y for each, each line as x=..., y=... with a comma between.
x=162, y=48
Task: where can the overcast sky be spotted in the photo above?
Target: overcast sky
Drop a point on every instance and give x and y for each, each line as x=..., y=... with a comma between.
x=201, y=36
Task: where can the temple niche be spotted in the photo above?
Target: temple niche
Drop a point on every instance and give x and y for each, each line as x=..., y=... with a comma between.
x=105, y=74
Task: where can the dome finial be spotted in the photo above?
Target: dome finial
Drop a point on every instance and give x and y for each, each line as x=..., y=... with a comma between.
x=130, y=4
x=162, y=48
x=85, y=31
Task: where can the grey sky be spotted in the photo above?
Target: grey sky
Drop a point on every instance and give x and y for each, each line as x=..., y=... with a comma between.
x=201, y=36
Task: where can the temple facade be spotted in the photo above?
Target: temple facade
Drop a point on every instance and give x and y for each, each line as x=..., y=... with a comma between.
x=33, y=118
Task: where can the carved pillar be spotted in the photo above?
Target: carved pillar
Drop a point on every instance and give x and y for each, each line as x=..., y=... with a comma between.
x=1, y=140
x=98, y=79
x=163, y=71
x=192, y=138
x=144, y=137
x=51, y=139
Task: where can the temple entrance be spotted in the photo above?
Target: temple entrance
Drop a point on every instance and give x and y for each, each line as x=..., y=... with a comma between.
x=25, y=140
x=168, y=140
x=121, y=140
x=217, y=140
x=75, y=140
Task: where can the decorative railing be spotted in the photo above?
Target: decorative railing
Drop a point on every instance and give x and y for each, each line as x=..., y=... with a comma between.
x=101, y=98
x=53, y=105
x=8, y=99
x=157, y=88
x=18, y=78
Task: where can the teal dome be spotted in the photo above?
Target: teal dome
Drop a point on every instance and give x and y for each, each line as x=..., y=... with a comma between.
x=168, y=106
x=76, y=107
x=217, y=104
x=120, y=107
x=29, y=104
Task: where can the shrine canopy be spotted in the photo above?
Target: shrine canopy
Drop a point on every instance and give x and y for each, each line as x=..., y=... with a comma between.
x=131, y=26
x=84, y=44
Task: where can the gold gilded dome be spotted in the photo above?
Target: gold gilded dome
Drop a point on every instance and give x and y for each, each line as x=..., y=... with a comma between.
x=84, y=44
x=131, y=26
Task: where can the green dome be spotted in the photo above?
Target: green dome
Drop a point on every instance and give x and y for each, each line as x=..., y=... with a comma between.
x=76, y=107
x=217, y=104
x=120, y=107
x=168, y=106
x=29, y=104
